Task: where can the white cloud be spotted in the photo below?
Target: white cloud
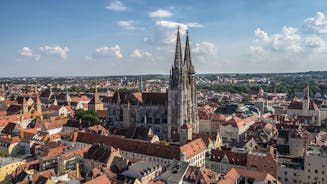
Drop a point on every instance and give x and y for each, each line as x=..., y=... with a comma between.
x=205, y=48
x=116, y=5
x=261, y=34
x=55, y=50
x=314, y=42
x=317, y=24
x=140, y=54
x=165, y=31
x=171, y=24
x=194, y=24
x=126, y=24
x=204, y=51
x=26, y=51
x=160, y=13
x=110, y=51
x=291, y=42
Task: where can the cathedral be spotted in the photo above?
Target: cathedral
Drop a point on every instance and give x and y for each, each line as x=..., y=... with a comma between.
x=164, y=113
x=182, y=106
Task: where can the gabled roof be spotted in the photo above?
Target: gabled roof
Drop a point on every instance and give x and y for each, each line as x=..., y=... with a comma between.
x=155, y=98
x=14, y=108
x=103, y=179
x=96, y=100
x=54, y=108
x=100, y=153
x=232, y=157
x=144, y=147
x=9, y=128
x=218, y=117
x=198, y=174
x=9, y=140
x=299, y=105
x=235, y=173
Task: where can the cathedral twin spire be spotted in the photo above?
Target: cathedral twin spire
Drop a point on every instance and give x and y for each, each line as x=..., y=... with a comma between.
x=178, y=62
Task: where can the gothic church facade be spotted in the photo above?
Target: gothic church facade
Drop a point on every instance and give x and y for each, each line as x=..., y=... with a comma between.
x=164, y=113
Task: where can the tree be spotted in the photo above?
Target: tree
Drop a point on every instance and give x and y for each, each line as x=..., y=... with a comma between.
x=88, y=115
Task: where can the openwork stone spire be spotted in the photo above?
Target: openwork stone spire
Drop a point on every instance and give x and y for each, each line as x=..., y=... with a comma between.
x=178, y=52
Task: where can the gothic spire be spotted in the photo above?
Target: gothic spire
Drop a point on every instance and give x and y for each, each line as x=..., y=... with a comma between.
x=178, y=52
x=141, y=85
x=306, y=92
x=96, y=99
x=187, y=55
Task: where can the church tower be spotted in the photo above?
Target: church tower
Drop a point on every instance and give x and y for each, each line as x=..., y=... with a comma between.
x=306, y=98
x=182, y=107
x=38, y=104
x=96, y=103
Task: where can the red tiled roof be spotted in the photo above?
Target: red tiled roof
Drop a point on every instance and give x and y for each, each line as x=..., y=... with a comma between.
x=103, y=179
x=238, y=122
x=233, y=157
x=54, y=108
x=143, y=147
x=235, y=173
x=9, y=140
x=218, y=117
x=102, y=113
x=48, y=125
x=199, y=175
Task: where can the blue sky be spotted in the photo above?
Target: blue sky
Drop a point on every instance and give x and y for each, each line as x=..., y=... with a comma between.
x=112, y=37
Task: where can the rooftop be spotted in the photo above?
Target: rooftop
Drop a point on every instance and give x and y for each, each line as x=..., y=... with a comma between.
x=9, y=160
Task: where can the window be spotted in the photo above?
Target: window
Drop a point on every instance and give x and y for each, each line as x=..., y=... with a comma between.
x=294, y=174
x=285, y=179
x=285, y=173
x=316, y=171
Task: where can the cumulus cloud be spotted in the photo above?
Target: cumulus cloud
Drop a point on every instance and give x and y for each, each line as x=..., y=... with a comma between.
x=27, y=52
x=204, y=51
x=205, y=48
x=160, y=13
x=126, y=24
x=314, y=42
x=116, y=5
x=140, y=54
x=287, y=40
x=292, y=42
x=110, y=51
x=165, y=31
x=55, y=51
x=317, y=24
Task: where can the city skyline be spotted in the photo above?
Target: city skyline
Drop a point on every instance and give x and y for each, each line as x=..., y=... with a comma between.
x=137, y=37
